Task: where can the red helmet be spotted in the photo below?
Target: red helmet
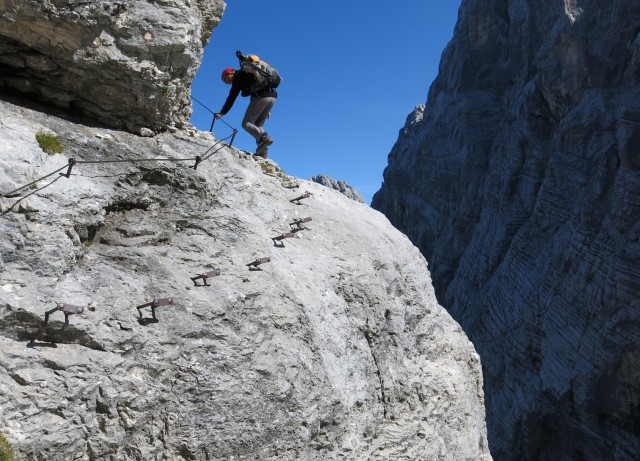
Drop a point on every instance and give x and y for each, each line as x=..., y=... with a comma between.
x=226, y=73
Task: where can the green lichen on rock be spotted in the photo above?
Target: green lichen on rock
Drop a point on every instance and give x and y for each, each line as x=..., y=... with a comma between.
x=6, y=452
x=49, y=143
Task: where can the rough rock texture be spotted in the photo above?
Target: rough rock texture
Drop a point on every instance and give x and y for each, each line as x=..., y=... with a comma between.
x=126, y=63
x=339, y=185
x=520, y=183
x=335, y=349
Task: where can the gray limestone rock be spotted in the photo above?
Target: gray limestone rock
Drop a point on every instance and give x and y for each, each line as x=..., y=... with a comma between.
x=334, y=349
x=520, y=183
x=339, y=185
x=127, y=63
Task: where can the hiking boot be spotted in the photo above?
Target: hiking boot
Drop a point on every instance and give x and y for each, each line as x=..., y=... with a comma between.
x=265, y=140
x=263, y=155
x=263, y=144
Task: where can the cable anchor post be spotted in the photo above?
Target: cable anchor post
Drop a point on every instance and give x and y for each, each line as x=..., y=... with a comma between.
x=198, y=160
x=72, y=163
x=233, y=136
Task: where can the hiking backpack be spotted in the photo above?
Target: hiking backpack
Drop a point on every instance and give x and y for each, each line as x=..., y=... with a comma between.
x=266, y=75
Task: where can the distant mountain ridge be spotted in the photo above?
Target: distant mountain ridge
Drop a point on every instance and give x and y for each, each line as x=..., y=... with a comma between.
x=339, y=185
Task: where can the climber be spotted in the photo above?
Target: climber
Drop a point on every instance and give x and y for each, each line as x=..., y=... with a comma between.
x=262, y=100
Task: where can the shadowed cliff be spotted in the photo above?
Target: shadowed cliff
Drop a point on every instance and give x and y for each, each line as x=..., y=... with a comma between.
x=520, y=183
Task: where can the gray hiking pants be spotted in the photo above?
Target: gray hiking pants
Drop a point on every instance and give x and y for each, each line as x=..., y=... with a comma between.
x=256, y=114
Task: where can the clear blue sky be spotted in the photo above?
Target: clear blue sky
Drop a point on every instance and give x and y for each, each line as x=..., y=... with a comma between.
x=352, y=71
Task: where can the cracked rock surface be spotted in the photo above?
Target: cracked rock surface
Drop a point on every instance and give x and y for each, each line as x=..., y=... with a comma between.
x=520, y=183
x=126, y=63
x=334, y=349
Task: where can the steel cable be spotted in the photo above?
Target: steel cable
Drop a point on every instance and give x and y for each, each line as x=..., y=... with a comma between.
x=198, y=159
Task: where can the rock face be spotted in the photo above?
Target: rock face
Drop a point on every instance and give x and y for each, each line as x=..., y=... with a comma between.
x=339, y=185
x=128, y=63
x=335, y=349
x=520, y=183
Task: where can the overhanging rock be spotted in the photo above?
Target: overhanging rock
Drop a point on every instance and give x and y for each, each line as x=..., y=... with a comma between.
x=128, y=64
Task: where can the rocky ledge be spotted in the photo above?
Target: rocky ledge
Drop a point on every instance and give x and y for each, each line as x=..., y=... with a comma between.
x=228, y=311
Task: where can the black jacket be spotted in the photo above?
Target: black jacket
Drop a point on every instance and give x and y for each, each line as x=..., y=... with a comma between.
x=242, y=83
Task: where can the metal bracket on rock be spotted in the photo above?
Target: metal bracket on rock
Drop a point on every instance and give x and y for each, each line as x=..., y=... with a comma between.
x=67, y=309
x=299, y=222
x=302, y=197
x=205, y=276
x=280, y=237
x=233, y=136
x=72, y=163
x=198, y=160
x=259, y=261
x=157, y=302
